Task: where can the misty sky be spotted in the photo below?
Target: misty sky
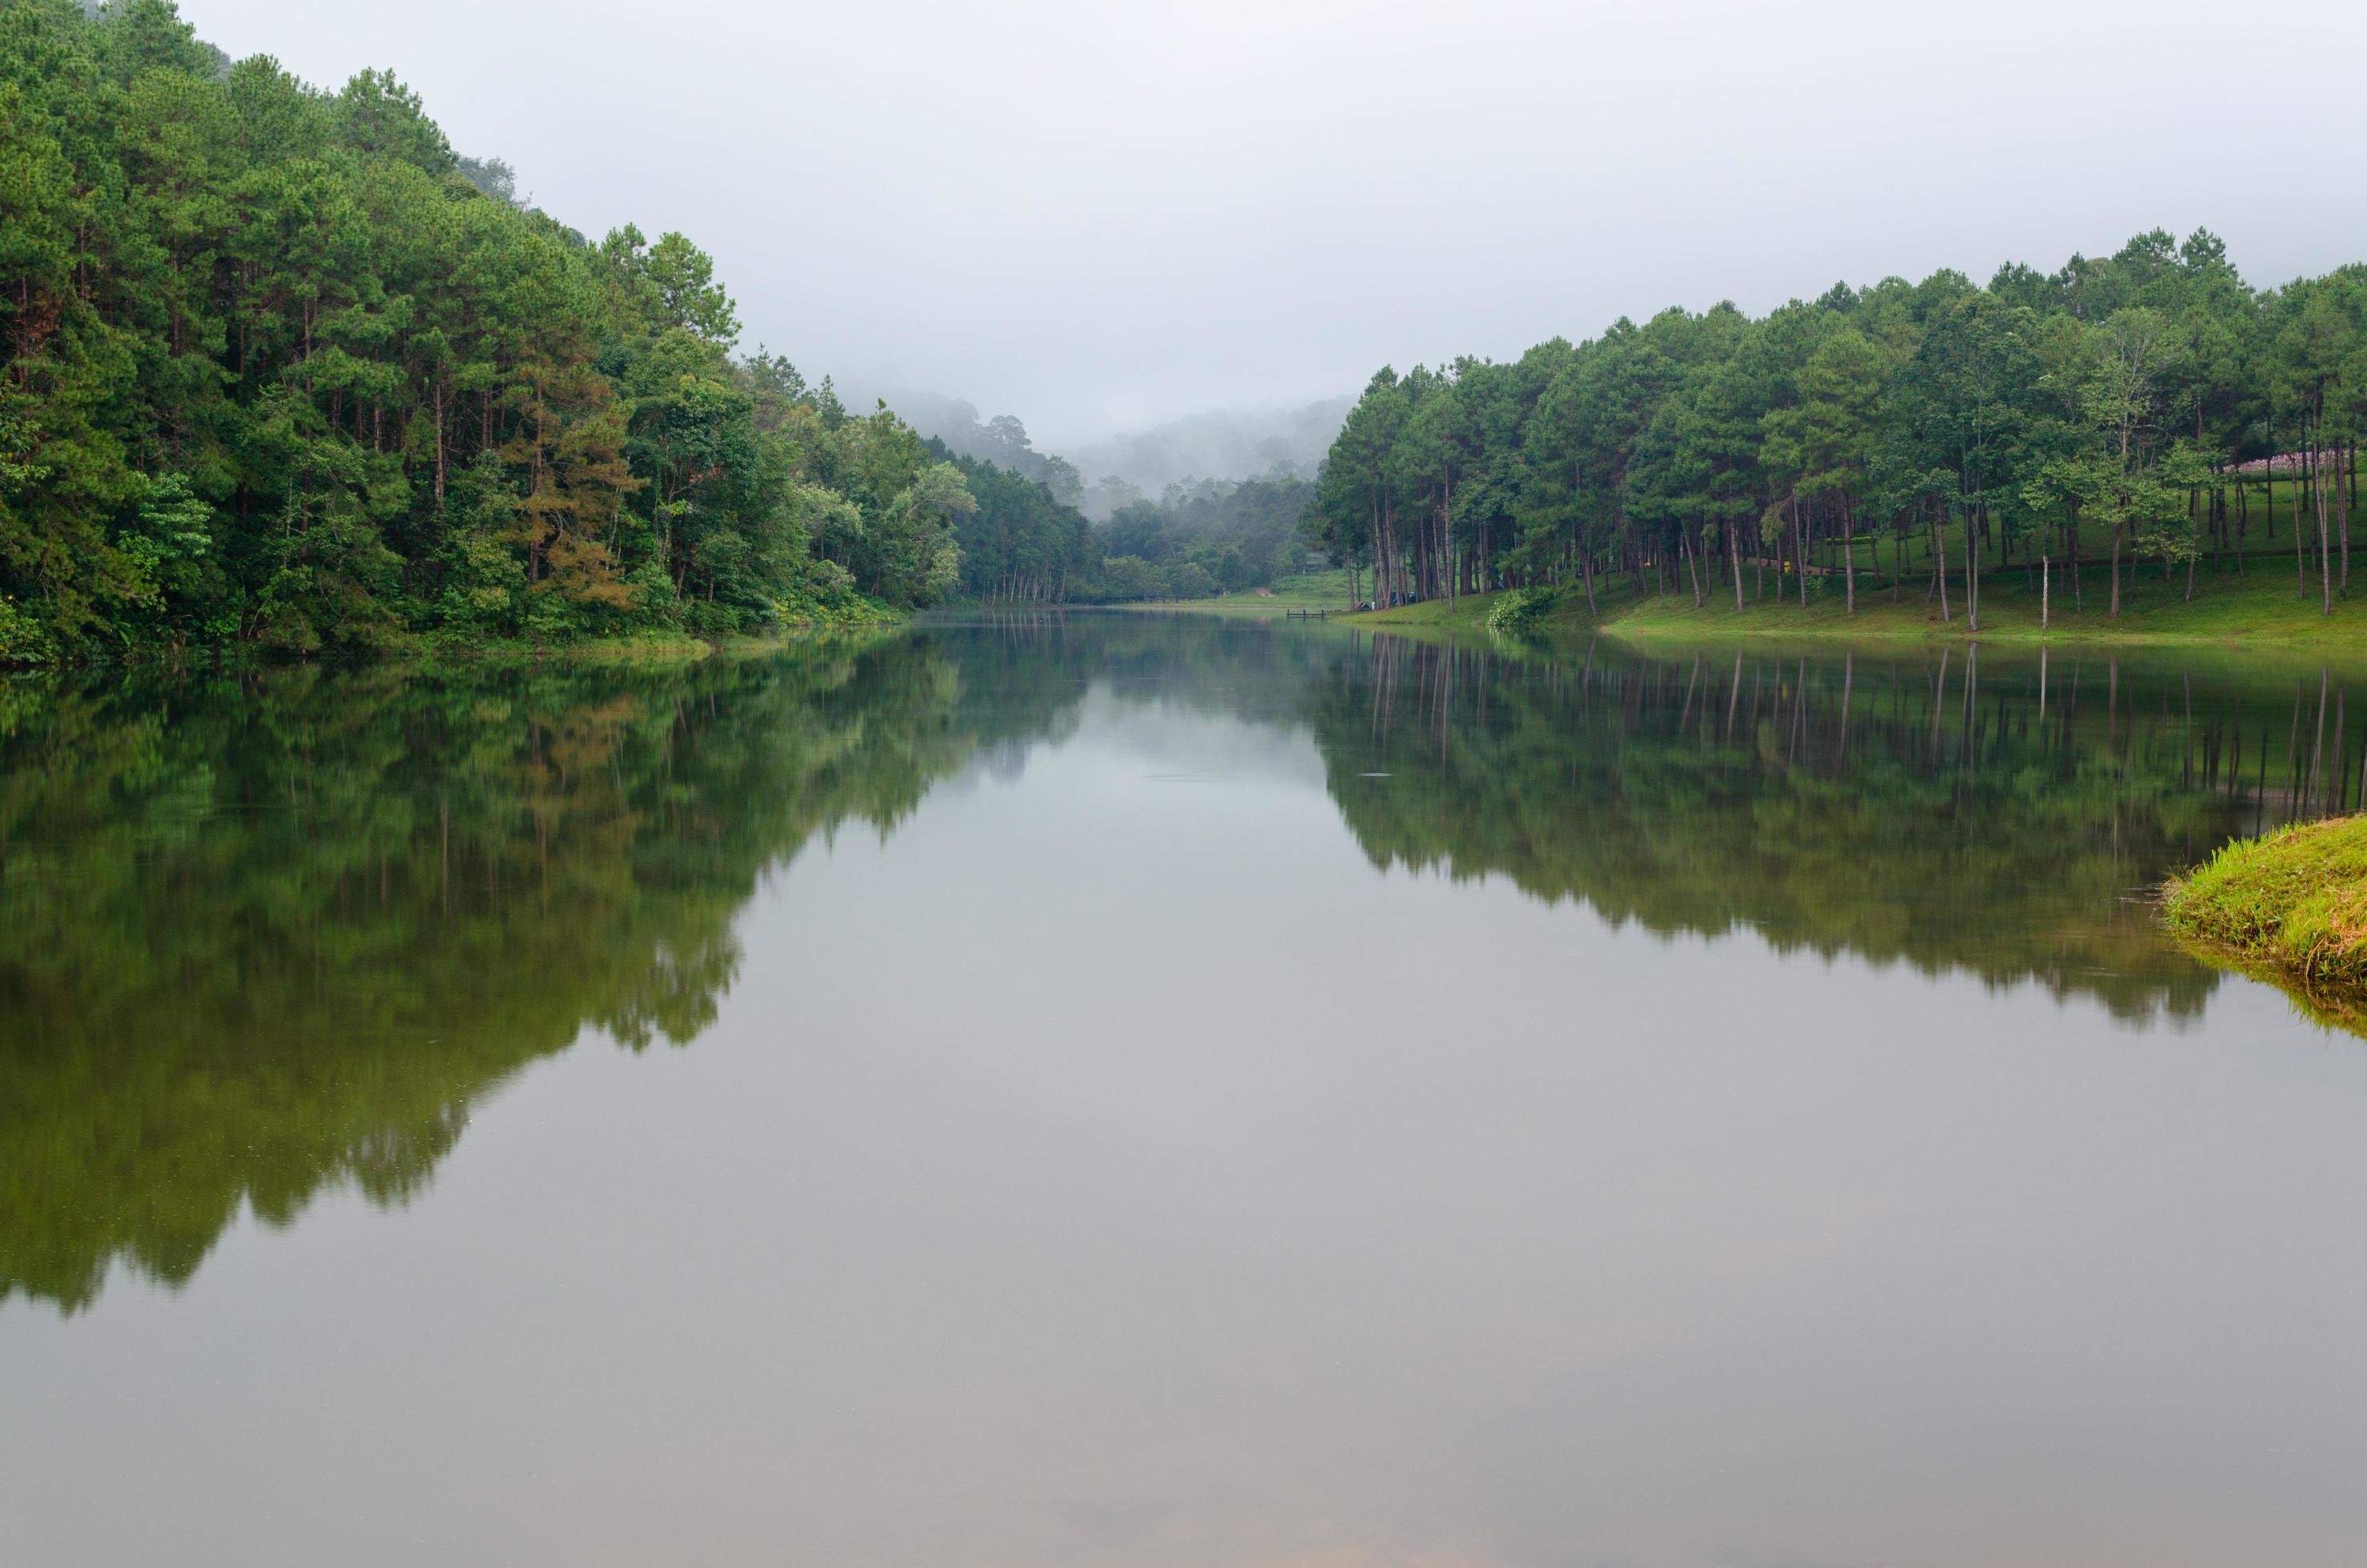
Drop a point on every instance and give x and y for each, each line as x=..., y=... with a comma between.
x=1100, y=215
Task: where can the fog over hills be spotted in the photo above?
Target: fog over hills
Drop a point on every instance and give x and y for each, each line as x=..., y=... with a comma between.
x=1102, y=473
x=1217, y=443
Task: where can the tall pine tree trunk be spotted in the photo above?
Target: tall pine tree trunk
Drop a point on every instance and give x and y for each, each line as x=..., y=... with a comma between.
x=2115, y=612
x=1972, y=577
x=2346, y=463
x=1940, y=568
x=2325, y=559
x=1849, y=552
x=2301, y=546
x=1447, y=536
x=1799, y=550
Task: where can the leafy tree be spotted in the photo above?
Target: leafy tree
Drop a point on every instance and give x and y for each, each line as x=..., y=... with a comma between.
x=1827, y=444
x=2125, y=474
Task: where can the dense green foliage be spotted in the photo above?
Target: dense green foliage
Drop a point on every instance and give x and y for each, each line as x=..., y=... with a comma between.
x=1020, y=541
x=1207, y=537
x=284, y=372
x=2123, y=408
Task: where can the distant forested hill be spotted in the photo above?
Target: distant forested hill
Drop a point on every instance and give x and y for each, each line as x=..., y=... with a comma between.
x=1223, y=444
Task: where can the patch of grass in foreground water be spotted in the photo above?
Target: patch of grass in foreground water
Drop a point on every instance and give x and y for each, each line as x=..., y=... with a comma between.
x=2291, y=905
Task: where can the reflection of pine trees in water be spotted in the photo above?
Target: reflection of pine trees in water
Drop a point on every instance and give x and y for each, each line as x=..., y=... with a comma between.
x=2003, y=816
x=261, y=935
x=269, y=935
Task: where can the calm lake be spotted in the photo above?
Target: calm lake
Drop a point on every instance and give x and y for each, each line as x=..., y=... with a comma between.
x=1126, y=1089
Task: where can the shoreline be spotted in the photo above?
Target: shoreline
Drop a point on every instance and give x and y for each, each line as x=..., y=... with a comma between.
x=2229, y=611
x=658, y=650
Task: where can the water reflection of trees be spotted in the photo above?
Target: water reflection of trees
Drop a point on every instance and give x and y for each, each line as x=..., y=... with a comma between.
x=1964, y=811
x=267, y=935
x=270, y=934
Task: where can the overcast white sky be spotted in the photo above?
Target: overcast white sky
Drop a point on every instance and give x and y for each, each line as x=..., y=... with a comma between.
x=1096, y=216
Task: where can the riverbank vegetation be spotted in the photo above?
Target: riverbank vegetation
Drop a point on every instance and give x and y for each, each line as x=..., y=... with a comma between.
x=287, y=373
x=2149, y=415
x=2252, y=608
x=2293, y=902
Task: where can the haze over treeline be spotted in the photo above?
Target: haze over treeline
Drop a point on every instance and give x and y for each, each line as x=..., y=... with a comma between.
x=1103, y=474
x=1100, y=218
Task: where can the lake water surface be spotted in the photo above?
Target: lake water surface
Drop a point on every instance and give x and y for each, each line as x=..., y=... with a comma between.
x=1106, y=1089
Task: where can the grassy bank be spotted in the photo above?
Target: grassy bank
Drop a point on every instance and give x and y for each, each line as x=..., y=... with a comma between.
x=654, y=648
x=2257, y=606
x=2260, y=597
x=2291, y=907
x=801, y=623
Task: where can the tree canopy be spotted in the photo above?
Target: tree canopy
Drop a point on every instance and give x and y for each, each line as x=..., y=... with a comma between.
x=284, y=370
x=2116, y=401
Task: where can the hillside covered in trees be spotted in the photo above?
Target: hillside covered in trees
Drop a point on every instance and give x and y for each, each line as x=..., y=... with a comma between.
x=284, y=370
x=2149, y=406
x=1039, y=534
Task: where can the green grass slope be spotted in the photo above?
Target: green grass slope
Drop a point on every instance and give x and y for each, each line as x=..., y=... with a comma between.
x=2293, y=904
x=2255, y=606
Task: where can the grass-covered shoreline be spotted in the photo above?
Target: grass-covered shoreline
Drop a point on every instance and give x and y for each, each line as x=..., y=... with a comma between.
x=636, y=650
x=2248, y=608
x=2291, y=905
x=802, y=618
